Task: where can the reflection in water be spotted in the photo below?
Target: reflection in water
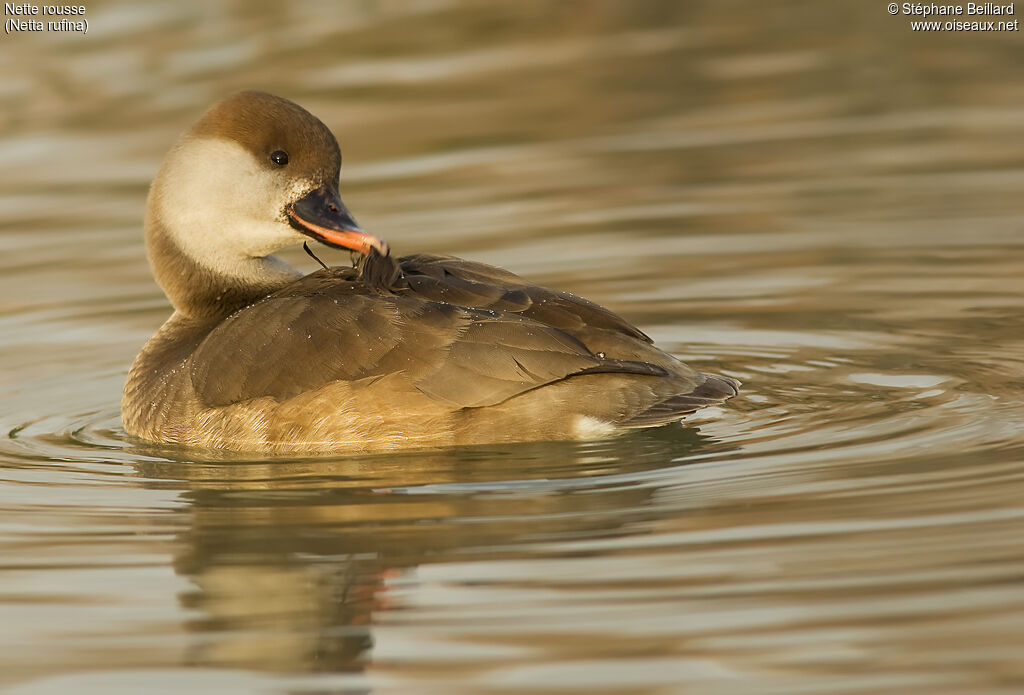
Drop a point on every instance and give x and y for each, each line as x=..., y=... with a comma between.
x=291, y=564
x=289, y=600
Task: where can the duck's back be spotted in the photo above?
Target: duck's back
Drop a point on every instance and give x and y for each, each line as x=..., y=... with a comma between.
x=425, y=351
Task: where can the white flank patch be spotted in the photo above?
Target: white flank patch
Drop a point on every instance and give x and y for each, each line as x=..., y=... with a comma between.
x=587, y=427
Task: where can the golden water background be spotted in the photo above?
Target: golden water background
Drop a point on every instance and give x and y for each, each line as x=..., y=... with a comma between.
x=802, y=194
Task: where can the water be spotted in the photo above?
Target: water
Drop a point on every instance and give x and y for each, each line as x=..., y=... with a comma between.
x=803, y=195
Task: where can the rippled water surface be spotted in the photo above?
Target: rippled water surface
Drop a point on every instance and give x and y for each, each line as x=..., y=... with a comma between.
x=803, y=195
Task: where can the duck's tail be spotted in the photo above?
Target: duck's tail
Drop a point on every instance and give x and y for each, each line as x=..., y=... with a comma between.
x=713, y=390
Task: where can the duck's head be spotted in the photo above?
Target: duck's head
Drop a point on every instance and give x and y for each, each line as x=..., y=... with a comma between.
x=252, y=176
x=256, y=173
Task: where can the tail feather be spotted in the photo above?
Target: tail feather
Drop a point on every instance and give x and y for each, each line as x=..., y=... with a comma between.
x=714, y=389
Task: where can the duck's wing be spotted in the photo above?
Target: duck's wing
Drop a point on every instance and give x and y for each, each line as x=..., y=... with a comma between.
x=471, y=284
x=328, y=328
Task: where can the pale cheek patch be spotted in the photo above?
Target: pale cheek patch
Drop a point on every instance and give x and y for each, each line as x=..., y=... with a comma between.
x=221, y=205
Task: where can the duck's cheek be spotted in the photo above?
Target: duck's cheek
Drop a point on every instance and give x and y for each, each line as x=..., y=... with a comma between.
x=261, y=238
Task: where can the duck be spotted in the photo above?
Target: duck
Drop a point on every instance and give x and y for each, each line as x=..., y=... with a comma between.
x=393, y=353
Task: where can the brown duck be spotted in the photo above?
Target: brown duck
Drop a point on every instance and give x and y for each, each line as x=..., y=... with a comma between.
x=417, y=351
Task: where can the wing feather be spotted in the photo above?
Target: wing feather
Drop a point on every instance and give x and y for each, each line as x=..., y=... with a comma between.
x=331, y=327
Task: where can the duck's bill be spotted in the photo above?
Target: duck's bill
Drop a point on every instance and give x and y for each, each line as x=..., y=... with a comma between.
x=321, y=214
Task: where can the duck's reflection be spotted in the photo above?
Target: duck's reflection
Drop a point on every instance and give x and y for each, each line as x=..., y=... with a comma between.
x=291, y=560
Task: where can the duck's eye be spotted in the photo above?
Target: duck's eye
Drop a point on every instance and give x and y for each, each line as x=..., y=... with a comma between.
x=279, y=157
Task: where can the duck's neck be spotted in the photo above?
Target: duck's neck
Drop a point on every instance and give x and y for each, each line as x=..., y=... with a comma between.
x=206, y=288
